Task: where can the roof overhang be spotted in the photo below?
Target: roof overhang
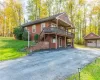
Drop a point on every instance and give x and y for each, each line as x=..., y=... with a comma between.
x=63, y=23
x=67, y=25
x=91, y=38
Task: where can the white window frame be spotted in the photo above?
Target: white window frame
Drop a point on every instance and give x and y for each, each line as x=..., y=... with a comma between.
x=34, y=27
x=42, y=26
x=53, y=40
x=25, y=28
x=53, y=25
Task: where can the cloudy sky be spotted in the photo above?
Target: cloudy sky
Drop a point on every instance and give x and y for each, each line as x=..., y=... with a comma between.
x=24, y=4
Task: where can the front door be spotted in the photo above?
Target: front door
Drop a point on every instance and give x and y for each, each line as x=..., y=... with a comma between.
x=60, y=42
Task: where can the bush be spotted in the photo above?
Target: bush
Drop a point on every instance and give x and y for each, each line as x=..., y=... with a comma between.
x=18, y=33
x=25, y=35
x=36, y=37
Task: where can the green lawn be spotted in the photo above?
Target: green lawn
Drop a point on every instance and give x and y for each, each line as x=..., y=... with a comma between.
x=79, y=46
x=11, y=48
x=83, y=46
x=89, y=72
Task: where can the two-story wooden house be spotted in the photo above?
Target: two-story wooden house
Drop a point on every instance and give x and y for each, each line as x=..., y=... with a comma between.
x=57, y=30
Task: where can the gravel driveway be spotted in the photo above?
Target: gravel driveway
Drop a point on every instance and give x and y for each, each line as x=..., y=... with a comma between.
x=47, y=65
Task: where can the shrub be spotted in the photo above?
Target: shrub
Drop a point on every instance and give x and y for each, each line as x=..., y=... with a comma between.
x=25, y=35
x=18, y=33
x=36, y=37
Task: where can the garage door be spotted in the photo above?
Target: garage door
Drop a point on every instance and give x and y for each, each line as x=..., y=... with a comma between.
x=98, y=43
x=91, y=43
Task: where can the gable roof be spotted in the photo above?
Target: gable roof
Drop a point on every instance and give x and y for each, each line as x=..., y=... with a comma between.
x=41, y=20
x=45, y=19
x=64, y=17
x=92, y=36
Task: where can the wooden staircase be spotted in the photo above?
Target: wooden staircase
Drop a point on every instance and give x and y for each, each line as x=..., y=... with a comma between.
x=41, y=36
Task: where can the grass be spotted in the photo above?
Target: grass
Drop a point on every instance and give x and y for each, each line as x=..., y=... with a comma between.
x=83, y=46
x=11, y=48
x=79, y=46
x=89, y=72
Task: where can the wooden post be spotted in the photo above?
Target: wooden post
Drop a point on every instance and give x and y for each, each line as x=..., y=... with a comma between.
x=56, y=41
x=73, y=43
x=56, y=35
x=65, y=41
x=65, y=37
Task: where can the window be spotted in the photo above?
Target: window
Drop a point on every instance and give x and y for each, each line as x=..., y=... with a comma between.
x=53, y=25
x=34, y=28
x=42, y=26
x=62, y=28
x=53, y=40
x=25, y=28
x=90, y=41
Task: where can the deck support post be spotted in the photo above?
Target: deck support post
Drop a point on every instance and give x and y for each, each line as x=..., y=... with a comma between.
x=65, y=37
x=65, y=41
x=56, y=41
x=72, y=43
x=56, y=34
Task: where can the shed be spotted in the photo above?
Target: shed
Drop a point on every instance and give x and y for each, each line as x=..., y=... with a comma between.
x=92, y=40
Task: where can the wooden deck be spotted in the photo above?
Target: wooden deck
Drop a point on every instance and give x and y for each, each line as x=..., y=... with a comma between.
x=58, y=31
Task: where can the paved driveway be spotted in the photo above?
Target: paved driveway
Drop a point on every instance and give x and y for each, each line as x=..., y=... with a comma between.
x=47, y=65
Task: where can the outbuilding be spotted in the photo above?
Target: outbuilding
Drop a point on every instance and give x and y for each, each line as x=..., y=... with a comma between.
x=92, y=40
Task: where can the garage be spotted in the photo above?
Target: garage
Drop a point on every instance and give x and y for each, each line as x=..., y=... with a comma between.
x=91, y=43
x=92, y=40
x=98, y=43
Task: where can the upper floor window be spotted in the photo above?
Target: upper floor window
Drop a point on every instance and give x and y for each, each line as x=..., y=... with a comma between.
x=62, y=27
x=25, y=28
x=53, y=25
x=34, y=28
x=42, y=26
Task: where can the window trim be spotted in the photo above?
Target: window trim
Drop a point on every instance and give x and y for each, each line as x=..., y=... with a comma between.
x=53, y=25
x=53, y=40
x=33, y=27
x=25, y=28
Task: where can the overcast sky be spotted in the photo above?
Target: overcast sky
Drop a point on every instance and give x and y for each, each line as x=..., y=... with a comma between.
x=24, y=4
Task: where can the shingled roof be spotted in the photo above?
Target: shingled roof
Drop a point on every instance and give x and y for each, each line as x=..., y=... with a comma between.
x=40, y=20
x=91, y=36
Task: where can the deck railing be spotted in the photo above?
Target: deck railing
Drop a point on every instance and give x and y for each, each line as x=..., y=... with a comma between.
x=57, y=30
